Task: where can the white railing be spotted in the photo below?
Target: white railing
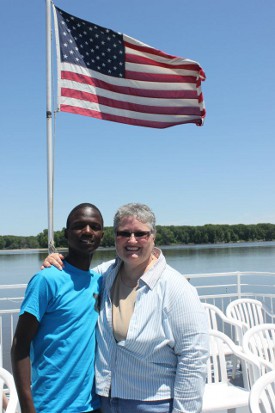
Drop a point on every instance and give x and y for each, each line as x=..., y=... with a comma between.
x=221, y=288
x=214, y=288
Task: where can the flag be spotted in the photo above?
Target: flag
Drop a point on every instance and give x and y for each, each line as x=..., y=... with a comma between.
x=108, y=75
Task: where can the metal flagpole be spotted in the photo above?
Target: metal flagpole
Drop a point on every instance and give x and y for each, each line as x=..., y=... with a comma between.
x=49, y=125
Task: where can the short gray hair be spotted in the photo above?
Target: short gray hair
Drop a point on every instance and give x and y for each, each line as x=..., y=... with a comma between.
x=140, y=211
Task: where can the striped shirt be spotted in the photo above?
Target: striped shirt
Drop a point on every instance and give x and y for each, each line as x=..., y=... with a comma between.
x=165, y=352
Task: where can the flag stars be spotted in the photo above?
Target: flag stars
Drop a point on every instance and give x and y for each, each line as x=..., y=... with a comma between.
x=80, y=40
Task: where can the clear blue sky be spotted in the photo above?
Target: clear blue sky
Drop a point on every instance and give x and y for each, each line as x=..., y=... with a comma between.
x=222, y=172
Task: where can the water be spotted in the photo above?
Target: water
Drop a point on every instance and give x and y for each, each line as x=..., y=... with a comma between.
x=16, y=267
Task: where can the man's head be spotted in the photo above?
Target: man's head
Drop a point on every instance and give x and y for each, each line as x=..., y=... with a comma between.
x=84, y=230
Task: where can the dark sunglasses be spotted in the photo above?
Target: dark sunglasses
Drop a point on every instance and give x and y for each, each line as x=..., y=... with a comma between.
x=137, y=234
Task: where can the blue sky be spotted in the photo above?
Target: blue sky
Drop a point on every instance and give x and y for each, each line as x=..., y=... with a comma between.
x=222, y=172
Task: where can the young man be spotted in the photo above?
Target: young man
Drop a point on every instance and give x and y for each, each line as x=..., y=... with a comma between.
x=54, y=343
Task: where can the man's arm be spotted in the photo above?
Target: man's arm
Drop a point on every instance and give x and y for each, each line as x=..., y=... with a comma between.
x=20, y=358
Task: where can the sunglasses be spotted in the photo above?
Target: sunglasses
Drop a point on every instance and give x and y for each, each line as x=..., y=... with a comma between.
x=137, y=234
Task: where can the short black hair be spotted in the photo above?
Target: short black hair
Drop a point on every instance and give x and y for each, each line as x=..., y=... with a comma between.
x=83, y=205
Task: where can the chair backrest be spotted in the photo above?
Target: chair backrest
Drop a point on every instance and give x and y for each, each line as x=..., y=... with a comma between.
x=262, y=394
x=246, y=310
x=214, y=314
x=217, y=363
x=217, y=320
x=259, y=341
x=8, y=382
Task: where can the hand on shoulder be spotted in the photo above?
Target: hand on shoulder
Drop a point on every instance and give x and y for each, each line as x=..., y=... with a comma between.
x=54, y=259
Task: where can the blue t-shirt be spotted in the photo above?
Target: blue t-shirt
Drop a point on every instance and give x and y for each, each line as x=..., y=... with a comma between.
x=63, y=350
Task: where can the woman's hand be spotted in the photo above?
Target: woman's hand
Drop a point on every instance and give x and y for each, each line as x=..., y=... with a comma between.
x=53, y=259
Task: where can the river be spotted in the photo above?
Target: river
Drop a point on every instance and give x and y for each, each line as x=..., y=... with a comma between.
x=16, y=267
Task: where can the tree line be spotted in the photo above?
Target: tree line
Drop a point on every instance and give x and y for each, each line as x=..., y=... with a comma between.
x=166, y=235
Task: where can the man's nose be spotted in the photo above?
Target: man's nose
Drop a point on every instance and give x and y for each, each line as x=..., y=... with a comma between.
x=87, y=228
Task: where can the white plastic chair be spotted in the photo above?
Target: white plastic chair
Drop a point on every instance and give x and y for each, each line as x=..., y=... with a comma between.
x=262, y=394
x=217, y=320
x=8, y=382
x=249, y=312
x=220, y=393
x=259, y=341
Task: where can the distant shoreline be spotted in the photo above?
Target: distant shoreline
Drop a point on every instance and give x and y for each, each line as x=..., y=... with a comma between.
x=163, y=247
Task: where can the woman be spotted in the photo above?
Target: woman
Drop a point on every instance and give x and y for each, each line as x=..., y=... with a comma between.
x=152, y=330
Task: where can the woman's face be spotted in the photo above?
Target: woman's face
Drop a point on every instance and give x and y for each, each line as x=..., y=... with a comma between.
x=135, y=250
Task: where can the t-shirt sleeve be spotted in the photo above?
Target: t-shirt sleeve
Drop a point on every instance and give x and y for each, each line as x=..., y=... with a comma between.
x=37, y=297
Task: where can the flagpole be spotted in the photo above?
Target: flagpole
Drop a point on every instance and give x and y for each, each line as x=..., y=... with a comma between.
x=49, y=125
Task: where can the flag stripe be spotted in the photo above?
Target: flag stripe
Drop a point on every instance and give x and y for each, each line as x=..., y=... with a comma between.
x=159, y=77
x=135, y=44
x=132, y=46
x=131, y=88
x=118, y=104
x=124, y=112
x=149, y=101
x=141, y=59
x=124, y=119
x=110, y=76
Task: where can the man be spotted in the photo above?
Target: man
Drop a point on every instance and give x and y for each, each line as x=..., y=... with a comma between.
x=56, y=327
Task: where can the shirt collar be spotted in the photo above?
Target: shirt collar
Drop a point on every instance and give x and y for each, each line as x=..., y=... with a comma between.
x=149, y=278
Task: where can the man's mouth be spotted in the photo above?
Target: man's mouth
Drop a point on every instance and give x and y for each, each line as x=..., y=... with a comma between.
x=87, y=241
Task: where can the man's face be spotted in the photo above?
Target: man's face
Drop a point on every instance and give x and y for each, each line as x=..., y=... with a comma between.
x=84, y=231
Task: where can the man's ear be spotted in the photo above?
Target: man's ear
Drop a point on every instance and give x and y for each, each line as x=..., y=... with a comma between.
x=66, y=233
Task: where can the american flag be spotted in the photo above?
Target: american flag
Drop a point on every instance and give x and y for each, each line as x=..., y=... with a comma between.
x=111, y=76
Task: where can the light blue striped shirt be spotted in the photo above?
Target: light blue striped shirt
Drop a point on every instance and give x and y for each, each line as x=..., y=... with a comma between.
x=164, y=355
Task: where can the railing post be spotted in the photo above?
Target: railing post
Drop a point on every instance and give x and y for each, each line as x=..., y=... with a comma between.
x=239, y=291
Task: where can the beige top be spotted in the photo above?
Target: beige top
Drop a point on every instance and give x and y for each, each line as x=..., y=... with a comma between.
x=123, y=299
